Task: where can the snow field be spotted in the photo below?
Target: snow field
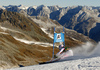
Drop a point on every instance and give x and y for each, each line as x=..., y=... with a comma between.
x=80, y=64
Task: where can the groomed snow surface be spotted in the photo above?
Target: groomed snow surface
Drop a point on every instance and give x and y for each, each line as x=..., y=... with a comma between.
x=80, y=64
x=80, y=61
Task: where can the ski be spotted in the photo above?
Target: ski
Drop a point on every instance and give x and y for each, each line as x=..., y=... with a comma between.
x=51, y=61
x=20, y=65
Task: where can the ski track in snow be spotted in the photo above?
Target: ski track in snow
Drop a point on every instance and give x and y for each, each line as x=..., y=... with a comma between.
x=91, y=62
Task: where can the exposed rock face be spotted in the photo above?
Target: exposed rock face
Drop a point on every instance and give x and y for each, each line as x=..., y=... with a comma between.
x=95, y=32
x=79, y=18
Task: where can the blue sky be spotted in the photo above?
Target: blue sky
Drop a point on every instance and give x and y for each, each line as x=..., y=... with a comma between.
x=62, y=3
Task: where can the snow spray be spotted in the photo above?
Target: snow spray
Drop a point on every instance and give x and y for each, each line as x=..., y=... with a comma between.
x=83, y=50
x=86, y=50
x=96, y=51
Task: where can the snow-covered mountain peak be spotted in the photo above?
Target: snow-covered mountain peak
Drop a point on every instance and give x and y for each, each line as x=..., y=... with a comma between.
x=2, y=7
x=54, y=8
x=45, y=7
x=9, y=6
x=88, y=7
x=38, y=7
x=22, y=7
x=35, y=7
x=57, y=7
x=41, y=6
x=72, y=7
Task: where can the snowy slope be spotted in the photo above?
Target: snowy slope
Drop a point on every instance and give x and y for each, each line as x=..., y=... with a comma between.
x=91, y=62
x=80, y=64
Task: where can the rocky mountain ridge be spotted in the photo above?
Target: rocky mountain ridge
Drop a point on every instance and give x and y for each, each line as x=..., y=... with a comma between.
x=83, y=19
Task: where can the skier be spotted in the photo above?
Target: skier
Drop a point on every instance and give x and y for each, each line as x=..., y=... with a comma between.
x=62, y=49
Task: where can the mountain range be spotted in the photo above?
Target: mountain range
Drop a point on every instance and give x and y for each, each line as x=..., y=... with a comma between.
x=26, y=34
x=83, y=19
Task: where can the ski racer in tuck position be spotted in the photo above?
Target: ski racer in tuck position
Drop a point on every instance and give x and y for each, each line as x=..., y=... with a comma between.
x=64, y=52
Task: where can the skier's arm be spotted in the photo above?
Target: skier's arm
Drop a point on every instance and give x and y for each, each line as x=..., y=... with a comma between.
x=61, y=50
